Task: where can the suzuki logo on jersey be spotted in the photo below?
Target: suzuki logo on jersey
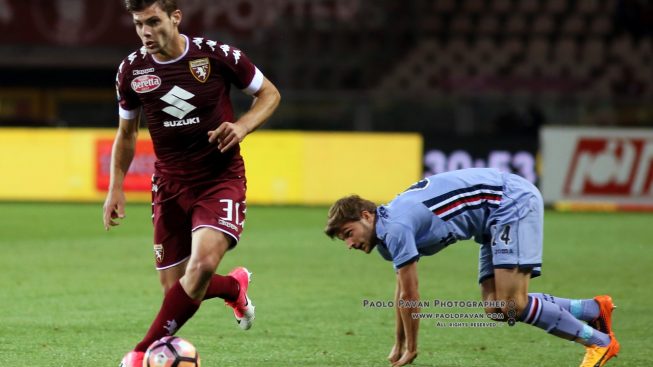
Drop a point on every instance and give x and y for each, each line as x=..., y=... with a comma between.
x=177, y=98
x=145, y=83
x=611, y=166
x=200, y=69
x=184, y=122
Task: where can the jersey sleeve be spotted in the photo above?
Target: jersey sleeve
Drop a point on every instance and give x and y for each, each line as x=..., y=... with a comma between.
x=400, y=241
x=239, y=69
x=128, y=101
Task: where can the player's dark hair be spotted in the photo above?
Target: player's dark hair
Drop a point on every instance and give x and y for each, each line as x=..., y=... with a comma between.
x=346, y=209
x=137, y=5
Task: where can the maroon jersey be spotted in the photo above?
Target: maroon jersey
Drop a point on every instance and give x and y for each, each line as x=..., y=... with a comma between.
x=182, y=100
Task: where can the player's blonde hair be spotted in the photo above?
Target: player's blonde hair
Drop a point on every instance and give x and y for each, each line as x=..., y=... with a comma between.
x=346, y=209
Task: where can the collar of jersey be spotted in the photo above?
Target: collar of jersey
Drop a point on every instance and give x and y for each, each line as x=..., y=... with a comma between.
x=379, y=227
x=177, y=59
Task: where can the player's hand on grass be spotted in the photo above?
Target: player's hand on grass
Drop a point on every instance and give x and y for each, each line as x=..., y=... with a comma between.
x=407, y=358
x=114, y=208
x=227, y=135
x=396, y=352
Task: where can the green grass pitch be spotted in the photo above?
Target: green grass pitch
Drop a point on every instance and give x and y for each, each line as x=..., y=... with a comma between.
x=72, y=294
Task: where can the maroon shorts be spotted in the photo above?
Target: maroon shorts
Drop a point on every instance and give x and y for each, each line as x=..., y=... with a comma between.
x=179, y=209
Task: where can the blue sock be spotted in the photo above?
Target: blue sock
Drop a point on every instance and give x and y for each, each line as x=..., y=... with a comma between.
x=560, y=322
x=582, y=309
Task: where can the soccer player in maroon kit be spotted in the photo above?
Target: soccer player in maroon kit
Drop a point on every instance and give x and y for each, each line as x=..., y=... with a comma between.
x=182, y=86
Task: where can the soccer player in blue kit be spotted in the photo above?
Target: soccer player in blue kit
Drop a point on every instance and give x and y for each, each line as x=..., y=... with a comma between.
x=504, y=214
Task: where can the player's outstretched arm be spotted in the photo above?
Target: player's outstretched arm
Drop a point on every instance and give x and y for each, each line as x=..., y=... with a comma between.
x=408, y=305
x=400, y=338
x=122, y=155
x=228, y=134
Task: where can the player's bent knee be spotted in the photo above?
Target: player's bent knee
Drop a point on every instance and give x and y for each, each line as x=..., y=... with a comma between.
x=514, y=307
x=197, y=277
x=203, y=268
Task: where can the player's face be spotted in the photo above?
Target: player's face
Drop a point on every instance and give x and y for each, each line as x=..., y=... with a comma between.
x=360, y=235
x=156, y=29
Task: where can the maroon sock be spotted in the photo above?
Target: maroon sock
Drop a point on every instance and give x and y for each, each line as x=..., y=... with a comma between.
x=225, y=287
x=176, y=309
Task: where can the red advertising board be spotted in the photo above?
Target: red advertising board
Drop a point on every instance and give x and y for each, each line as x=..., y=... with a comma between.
x=610, y=166
x=139, y=178
x=607, y=168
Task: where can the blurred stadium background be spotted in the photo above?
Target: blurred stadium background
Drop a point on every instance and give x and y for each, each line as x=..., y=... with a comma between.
x=558, y=91
x=477, y=80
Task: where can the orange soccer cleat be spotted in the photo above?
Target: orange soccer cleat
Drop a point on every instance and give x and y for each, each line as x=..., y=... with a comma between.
x=596, y=356
x=603, y=323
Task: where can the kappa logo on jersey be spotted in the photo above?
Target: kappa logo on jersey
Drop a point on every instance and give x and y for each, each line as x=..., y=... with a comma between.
x=142, y=71
x=200, y=68
x=211, y=44
x=145, y=83
x=131, y=57
x=235, y=52
x=177, y=98
x=158, y=252
x=611, y=166
x=198, y=42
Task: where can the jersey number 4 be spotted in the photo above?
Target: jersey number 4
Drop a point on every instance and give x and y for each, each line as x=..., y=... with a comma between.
x=503, y=236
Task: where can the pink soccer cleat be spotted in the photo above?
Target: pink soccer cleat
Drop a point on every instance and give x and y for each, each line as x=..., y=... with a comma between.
x=243, y=307
x=132, y=359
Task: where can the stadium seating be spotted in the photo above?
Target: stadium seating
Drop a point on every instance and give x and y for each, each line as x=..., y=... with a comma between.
x=343, y=64
x=536, y=47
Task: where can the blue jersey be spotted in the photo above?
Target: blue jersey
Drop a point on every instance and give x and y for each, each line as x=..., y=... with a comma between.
x=438, y=211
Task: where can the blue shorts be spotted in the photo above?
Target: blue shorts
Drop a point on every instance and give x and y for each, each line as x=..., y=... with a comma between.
x=516, y=230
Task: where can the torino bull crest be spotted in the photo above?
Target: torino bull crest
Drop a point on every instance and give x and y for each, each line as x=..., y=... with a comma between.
x=200, y=68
